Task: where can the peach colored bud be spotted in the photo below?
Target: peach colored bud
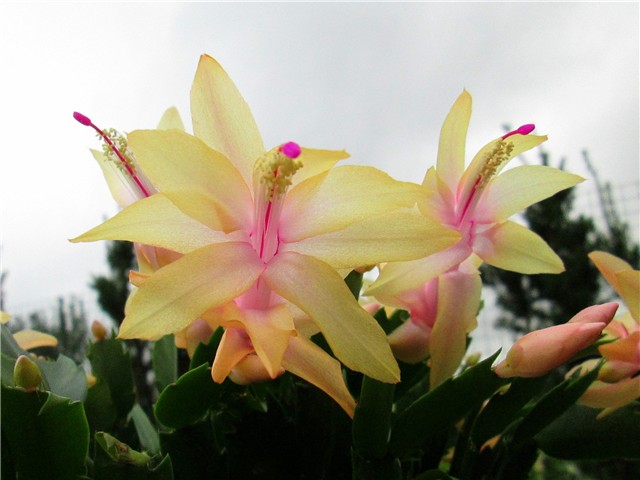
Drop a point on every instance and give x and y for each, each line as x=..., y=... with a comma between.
x=410, y=342
x=26, y=374
x=98, y=331
x=251, y=370
x=198, y=332
x=596, y=313
x=91, y=380
x=539, y=352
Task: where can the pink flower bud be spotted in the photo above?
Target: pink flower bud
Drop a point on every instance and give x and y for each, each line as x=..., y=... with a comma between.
x=539, y=352
x=596, y=313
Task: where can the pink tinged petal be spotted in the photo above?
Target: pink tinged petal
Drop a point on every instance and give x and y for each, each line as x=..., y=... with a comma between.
x=629, y=284
x=410, y=342
x=453, y=137
x=439, y=199
x=200, y=181
x=269, y=331
x=458, y=304
x=28, y=339
x=234, y=346
x=516, y=248
x=353, y=335
x=344, y=195
x=520, y=187
x=392, y=237
x=315, y=162
x=195, y=334
x=596, y=313
x=396, y=278
x=539, y=352
x=170, y=120
x=174, y=296
x=308, y=361
x=611, y=396
x=156, y=221
x=222, y=118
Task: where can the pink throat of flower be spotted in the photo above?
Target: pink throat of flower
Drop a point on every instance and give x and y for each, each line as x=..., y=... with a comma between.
x=86, y=121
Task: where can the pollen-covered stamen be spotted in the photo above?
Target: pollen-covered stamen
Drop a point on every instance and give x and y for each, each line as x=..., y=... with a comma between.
x=272, y=176
x=115, y=145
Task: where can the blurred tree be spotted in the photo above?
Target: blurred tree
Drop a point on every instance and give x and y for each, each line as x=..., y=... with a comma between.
x=113, y=291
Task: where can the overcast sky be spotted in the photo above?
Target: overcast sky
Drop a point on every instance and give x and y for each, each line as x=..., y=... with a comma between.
x=376, y=79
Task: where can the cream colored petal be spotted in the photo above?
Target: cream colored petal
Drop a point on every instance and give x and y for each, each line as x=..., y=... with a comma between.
x=520, y=187
x=28, y=339
x=629, y=284
x=156, y=221
x=611, y=395
x=458, y=304
x=122, y=190
x=453, y=137
x=222, y=118
x=344, y=195
x=516, y=248
x=195, y=177
x=402, y=276
x=316, y=161
x=391, y=237
x=353, y=335
x=177, y=294
x=171, y=119
x=308, y=361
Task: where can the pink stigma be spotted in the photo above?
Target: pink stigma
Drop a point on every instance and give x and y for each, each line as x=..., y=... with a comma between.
x=523, y=130
x=82, y=119
x=291, y=149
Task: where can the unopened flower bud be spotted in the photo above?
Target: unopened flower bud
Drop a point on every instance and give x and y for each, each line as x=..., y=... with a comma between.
x=473, y=359
x=98, y=330
x=26, y=374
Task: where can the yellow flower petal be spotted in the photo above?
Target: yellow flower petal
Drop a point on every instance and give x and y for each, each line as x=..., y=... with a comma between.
x=453, y=135
x=171, y=119
x=28, y=339
x=629, y=284
x=155, y=221
x=200, y=181
x=623, y=350
x=222, y=118
x=520, y=187
x=609, y=265
x=120, y=190
x=513, y=247
x=391, y=237
x=340, y=197
x=4, y=317
x=611, y=396
x=458, y=303
x=308, y=361
x=353, y=335
x=400, y=277
x=315, y=162
x=177, y=294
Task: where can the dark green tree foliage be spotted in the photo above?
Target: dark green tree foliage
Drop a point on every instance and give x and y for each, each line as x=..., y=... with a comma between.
x=530, y=302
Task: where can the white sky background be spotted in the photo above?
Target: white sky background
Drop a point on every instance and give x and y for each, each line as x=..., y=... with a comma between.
x=376, y=79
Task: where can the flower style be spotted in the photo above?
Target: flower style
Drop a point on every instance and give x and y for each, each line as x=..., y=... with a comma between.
x=263, y=234
x=618, y=381
x=537, y=353
x=477, y=202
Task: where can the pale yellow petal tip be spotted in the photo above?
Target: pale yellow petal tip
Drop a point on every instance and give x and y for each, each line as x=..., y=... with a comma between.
x=4, y=317
x=28, y=339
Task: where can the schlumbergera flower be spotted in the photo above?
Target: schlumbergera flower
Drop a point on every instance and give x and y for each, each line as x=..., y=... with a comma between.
x=477, y=202
x=618, y=381
x=263, y=235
